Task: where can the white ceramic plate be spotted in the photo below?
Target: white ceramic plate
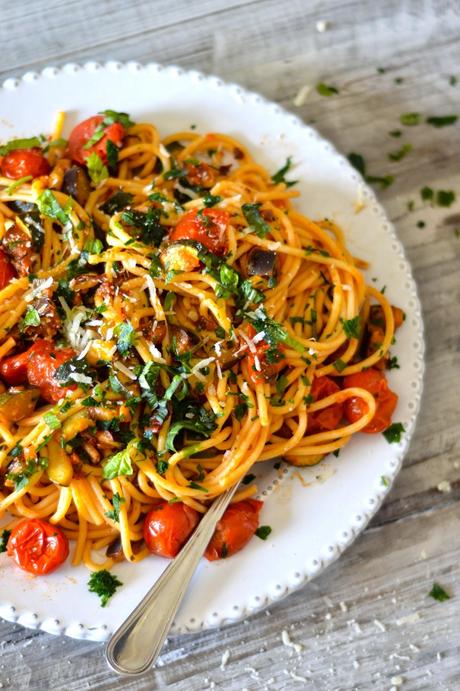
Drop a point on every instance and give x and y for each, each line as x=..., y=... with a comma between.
x=312, y=524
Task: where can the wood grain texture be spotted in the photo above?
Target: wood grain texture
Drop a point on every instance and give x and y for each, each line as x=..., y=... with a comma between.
x=368, y=618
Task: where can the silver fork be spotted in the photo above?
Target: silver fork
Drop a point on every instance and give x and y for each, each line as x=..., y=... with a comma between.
x=136, y=644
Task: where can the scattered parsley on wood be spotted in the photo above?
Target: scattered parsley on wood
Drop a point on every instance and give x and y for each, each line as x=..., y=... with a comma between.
x=445, y=197
x=421, y=224
x=438, y=593
x=358, y=162
x=410, y=119
x=442, y=120
x=381, y=70
x=395, y=133
x=401, y=153
x=326, y=89
x=393, y=433
x=452, y=80
x=104, y=584
x=263, y=531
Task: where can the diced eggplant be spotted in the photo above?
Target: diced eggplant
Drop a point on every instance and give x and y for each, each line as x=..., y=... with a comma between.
x=261, y=262
x=18, y=246
x=32, y=221
x=180, y=339
x=115, y=550
x=18, y=405
x=77, y=184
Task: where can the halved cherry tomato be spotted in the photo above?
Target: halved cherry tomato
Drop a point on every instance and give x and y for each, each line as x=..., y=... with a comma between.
x=269, y=365
x=37, y=546
x=82, y=132
x=7, y=271
x=167, y=527
x=14, y=368
x=208, y=226
x=21, y=162
x=234, y=530
x=43, y=361
x=327, y=418
x=375, y=382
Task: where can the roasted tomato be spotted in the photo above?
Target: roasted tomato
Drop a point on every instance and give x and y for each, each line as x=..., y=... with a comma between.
x=83, y=132
x=234, y=530
x=37, y=366
x=327, y=418
x=167, y=528
x=22, y=162
x=7, y=271
x=375, y=382
x=266, y=362
x=43, y=361
x=208, y=226
x=37, y=546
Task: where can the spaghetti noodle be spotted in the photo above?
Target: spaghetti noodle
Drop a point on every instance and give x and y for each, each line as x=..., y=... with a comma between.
x=167, y=320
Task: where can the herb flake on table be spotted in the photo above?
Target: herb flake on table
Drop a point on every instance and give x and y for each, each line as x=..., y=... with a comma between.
x=280, y=175
x=400, y=153
x=442, y=120
x=438, y=593
x=410, y=119
x=358, y=162
x=104, y=584
x=326, y=89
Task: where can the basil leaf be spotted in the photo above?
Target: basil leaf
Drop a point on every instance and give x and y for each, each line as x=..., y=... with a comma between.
x=280, y=175
x=116, y=202
x=49, y=206
x=118, y=464
x=255, y=220
x=96, y=168
x=13, y=144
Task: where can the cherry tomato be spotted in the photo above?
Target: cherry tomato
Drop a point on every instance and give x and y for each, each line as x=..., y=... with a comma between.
x=21, y=162
x=270, y=364
x=42, y=363
x=7, y=271
x=375, y=382
x=167, y=528
x=37, y=546
x=14, y=368
x=327, y=418
x=208, y=226
x=82, y=132
x=234, y=530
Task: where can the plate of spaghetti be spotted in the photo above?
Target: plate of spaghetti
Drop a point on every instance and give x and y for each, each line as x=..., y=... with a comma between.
x=196, y=290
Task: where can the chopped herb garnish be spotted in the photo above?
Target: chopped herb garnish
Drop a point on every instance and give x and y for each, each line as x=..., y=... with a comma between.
x=13, y=144
x=117, y=501
x=4, y=537
x=49, y=206
x=393, y=433
x=445, y=197
x=126, y=335
x=248, y=479
x=438, y=593
x=119, y=463
x=118, y=201
x=421, y=224
x=339, y=365
x=280, y=175
x=104, y=584
x=393, y=363
x=211, y=199
x=195, y=485
x=255, y=220
x=263, y=531
x=97, y=170
x=358, y=162
x=52, y=420
x=351, y=327
x=31, y=318
x=395, y=133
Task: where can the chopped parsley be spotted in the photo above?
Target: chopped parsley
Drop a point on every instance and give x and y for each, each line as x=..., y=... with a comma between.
x=119, y=463
x=118, y=201
x=112, y=157
x=31, y=318
x=351, y=327
x=111, y=116
x=393, y=363
x=358, y=162
x=211, y=199
x=421, y=224
x=263, y=531
x=255, y=220
x=49, y=206
x=97, y=170
x=438, y=593
x=426, y=193
x=117, y=501
x=196, y=419
x=104, y=584
x=339, y=365
x=326, y=89
x=280, y=175
x=401, y=153
x=410, y=119
x=248, y=479
x=52, y=420
x=21, y=479
x=147, y=226
x=395, y=133
x=4, y=537
x=393, y=433
x=126, y=336
x=13, y=144
x=442, y=121
x=445, y=197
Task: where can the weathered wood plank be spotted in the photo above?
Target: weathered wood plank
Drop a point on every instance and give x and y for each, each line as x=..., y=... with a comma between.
x=385, y=576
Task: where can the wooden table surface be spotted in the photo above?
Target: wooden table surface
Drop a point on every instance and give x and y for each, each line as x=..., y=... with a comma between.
x=367, y=623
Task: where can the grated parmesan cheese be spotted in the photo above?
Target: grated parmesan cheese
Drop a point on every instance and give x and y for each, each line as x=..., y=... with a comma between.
x=38, y=286
x=445, y=486
x=290, y=644
x=125, y=370
x=302, y=95
x=379, y=625
x=80, y=378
